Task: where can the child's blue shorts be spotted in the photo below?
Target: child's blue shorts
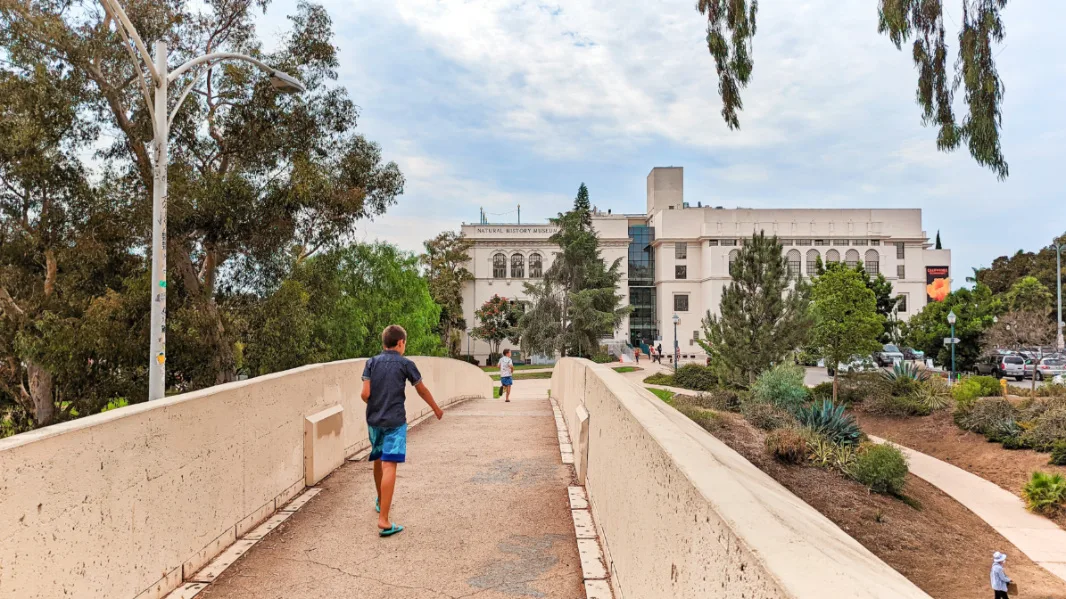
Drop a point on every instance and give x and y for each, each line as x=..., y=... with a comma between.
x=388, y=444
x=506, y=381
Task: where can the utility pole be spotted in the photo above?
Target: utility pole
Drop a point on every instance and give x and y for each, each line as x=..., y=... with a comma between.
x=1058, y=274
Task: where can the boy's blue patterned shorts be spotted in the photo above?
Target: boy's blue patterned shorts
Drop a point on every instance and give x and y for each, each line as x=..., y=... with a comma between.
x=388, y=444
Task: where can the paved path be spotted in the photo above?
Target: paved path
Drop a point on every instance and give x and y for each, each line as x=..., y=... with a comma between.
x=484, y=499
x=1037, y=537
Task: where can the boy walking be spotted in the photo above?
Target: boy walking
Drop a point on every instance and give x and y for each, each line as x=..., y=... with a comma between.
x=384, y=379
x=506, y=372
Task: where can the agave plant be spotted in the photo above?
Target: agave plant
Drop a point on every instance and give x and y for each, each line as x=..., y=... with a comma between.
x=906, y=371
x=830, y=420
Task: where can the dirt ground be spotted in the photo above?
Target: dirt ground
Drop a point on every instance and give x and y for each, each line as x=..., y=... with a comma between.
x=938, y=436
x=943, y=547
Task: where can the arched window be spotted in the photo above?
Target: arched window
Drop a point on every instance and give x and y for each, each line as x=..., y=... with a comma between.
x=852, y=258
x=733, y=255
x=535, y=269
x=518, y=266
x=499, y=266
x=832, y=256
x=812, y=263
x=873, y=263
x=794, y=263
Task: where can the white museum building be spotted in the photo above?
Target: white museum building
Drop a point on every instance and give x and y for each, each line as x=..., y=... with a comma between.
x=676, y=258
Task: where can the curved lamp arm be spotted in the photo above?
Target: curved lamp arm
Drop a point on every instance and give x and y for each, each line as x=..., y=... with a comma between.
x=279, y=79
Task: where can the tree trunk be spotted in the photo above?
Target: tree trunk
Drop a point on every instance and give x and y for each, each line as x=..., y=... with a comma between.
x=41, y=385
x=835, y=379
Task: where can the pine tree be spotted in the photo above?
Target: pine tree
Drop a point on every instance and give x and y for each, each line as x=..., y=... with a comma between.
x=763, y=314
x=938, y=245
x=578, y=302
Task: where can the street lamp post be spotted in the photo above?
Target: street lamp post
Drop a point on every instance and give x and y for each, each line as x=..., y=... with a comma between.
x=677, y=346
x=161, y=78
x=1058, y=275
x=951, y=321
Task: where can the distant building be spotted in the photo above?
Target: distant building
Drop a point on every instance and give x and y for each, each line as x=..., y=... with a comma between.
x=676, y=257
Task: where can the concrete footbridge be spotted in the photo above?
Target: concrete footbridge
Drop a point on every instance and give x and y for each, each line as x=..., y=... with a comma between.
x=584, y=485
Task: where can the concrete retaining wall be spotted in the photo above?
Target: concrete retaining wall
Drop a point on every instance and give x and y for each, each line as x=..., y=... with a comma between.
x=117, y=504
x=682, y=515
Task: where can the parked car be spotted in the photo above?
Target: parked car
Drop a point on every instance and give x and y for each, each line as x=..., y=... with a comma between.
x=1002, y=366
x=888, y=355
x=857, y=364
x=1050, y=368
x=909, y=353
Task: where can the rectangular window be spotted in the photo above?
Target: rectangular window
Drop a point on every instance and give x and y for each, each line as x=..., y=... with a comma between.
x=695, y=335
x=821, y=242
x=681, y=303
x=873, y=266
x=681, y=251
x=803, y=242
x=901, y=272
x=875, y=242
x=842, y=242
x=712, y=242
x=902, y=302
x=899, y=251
x=681, y=272
x=860, y=242
x=729, y=242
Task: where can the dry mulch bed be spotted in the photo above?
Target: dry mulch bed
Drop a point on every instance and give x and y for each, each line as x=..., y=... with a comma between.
x=938, y=436
x=943, y=548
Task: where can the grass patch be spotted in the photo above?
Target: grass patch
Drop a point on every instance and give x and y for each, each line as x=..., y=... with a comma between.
x=663, y=394
x=518, y=367
x=625, y=369
x=526, y=376
x=661, y=378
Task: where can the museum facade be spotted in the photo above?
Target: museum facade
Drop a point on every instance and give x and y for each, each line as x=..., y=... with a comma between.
x=676, y=258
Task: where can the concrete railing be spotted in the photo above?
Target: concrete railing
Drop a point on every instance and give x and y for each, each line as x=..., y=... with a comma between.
x=680, y=514
x=126, y=504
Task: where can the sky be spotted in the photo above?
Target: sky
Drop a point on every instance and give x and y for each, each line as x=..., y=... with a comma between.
x=496, y=103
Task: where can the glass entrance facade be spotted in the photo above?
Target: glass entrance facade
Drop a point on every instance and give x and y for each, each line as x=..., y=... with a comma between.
x=642, y=325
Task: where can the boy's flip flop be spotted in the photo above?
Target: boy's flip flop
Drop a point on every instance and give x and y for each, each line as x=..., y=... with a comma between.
x=377, y=505
x=388, y=532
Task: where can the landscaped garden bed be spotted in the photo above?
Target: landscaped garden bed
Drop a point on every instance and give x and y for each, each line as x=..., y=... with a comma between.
x=809, y=444
x=937, y=435
x=942, y=547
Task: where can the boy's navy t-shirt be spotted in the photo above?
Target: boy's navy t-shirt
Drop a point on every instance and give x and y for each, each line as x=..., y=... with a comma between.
x=388, y=373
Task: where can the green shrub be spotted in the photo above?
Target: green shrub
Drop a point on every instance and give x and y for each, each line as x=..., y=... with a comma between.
x=1058, y=453
x=822, y=391
x=724, y=400
x=1045, y=493
x=1048, y=428
x=853, y=388
x=470, y=359
x=121, y=402
x=933, y=393
x=973, y=387
x=603, y=358
x=788, y=445
x=660, y=378
x=708, y=419
x=882, y=468
x=896, y=406
x=825, y=454
x=696, y=377
x=781, y=386
x=765, y=416
x=1014, y=443
x=1051, y=390
x=831, y=422
x=986, y=415
x=906, y=371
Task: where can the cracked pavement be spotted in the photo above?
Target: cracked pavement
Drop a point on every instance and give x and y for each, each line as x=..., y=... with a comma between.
x=484, y=502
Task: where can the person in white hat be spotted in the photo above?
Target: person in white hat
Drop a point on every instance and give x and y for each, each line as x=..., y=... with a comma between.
x=999, y=577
